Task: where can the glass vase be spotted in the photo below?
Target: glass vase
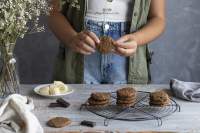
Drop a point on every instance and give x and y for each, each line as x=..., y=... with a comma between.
x=9, y=79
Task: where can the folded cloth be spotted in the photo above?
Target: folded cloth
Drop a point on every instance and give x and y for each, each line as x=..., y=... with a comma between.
x=186, y=90
x=16, y=116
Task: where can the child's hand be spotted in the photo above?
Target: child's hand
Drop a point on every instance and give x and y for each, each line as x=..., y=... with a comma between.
x=84, y=42
x=126, y=45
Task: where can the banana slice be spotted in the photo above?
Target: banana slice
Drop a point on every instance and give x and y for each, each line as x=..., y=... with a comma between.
x=63, y=88
x=54, y=90
x=44, y=90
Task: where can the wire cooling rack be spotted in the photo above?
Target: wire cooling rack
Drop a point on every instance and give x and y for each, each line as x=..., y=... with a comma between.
x=141, y=111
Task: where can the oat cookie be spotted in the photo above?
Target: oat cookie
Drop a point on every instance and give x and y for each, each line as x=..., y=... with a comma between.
x=125, y=105
x=94, y=102
x=126, y=101
x=159, y=98
x=127, y=98
x=99, y=99
x=59, y=122
x=126, y=92
x=106, y=45
x=100, y=96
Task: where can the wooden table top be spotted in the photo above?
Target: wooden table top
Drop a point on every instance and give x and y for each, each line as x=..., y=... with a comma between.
x=188, y=120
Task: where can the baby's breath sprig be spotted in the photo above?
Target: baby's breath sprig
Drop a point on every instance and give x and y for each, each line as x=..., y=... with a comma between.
x=15, y=14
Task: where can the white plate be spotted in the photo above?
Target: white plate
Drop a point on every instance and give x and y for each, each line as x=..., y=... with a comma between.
x=36, y=90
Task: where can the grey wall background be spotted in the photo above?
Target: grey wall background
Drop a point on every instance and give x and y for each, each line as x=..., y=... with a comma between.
x=176, y=55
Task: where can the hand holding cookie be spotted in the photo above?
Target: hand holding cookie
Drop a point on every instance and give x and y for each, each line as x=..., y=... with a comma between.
x=84, y=42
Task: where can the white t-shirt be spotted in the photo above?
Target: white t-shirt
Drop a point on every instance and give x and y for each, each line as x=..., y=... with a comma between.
x=109, y=10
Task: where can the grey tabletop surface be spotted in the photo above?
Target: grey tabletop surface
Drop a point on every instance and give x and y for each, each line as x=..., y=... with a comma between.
x=187, y=120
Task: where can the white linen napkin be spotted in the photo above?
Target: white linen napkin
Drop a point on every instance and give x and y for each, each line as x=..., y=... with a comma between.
x=16, y=116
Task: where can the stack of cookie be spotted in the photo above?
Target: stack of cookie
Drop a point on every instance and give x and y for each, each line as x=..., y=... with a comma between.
x=126, y=97
x=99, y=99
x=159, y=98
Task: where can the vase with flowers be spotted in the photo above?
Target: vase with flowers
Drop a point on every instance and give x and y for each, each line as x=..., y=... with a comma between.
x=15, y=16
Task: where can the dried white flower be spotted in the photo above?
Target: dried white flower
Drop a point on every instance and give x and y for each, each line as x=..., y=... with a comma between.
x=15, y=14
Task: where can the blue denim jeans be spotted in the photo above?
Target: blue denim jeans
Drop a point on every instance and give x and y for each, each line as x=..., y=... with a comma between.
x=106, y=68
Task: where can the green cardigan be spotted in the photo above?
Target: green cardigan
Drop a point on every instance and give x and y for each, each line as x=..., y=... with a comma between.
x=69, y=66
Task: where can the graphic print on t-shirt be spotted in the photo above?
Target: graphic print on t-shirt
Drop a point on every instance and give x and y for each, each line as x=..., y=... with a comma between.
x=109, y=10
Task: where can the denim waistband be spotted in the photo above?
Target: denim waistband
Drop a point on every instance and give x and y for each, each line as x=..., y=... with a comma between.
x=113, y=26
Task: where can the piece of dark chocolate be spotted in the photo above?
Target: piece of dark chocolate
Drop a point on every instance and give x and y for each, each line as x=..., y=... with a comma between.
x=63, y=102
x=88, y=123
x=53, y=105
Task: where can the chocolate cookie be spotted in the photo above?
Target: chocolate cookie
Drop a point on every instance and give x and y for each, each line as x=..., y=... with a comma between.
x=106, y=45
x=159, y=98
x=100, y=96
x=58, y=122
x=126, y=93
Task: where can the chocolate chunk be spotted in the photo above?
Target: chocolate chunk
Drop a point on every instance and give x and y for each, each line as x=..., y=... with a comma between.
x=52, y=105
x=63, y=102
x=88, y=123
